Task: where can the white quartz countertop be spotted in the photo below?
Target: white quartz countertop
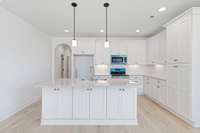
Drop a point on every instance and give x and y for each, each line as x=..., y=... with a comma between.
x=87, y=83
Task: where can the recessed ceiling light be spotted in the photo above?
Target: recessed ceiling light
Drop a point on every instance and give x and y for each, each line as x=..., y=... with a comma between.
x=66, y=30
x=162, y=9
x=137, y=31
x=101, y=30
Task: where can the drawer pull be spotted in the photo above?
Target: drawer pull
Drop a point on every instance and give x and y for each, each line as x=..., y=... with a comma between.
x=176, y=66
x=175, y=60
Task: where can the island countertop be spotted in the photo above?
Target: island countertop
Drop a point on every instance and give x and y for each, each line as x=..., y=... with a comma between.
x=87, y=83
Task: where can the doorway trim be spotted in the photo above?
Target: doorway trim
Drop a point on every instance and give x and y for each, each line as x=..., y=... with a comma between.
x=53, y=59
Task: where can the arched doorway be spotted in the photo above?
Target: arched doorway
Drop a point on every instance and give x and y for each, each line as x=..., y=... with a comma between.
x=62, y=62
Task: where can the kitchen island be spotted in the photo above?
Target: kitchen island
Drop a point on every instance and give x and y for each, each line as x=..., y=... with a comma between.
x=98, y=102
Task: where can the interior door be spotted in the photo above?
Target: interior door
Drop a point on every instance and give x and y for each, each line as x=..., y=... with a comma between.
x=84, y=67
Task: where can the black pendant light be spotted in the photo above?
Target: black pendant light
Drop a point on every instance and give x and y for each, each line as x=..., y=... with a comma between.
x=106, y=43
x=74, y=41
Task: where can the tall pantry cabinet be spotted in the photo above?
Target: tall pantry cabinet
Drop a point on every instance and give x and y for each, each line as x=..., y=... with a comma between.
x=183, y=65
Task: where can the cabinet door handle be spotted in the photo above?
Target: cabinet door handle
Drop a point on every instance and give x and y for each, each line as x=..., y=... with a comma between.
x=175, y=60
x=55, y=89
x=58, y=89
x=175, y=66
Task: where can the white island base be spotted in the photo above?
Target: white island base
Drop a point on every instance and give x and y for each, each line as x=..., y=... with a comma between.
x=75, y=102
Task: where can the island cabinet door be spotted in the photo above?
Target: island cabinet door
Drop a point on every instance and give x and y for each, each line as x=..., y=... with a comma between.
x=121, y=103
x=81, y=109
x=65, y=103
x=98, y=103
x=128, y=102
x=50, y=102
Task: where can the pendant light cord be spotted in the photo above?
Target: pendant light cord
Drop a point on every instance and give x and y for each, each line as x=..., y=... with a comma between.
x=74, y=23
x=106, y=23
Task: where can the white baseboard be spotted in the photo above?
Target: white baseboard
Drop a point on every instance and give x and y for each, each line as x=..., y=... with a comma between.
x=174, y=113
x=25, y=105
x=89, y=122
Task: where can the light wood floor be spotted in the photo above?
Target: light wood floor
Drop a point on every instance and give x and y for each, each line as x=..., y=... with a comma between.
x=152, y=119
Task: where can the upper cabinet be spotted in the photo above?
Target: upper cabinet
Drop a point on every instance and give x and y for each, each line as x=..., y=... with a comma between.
x=136, y=52
x=85, y=46
x=118, y=47
x=134, y=49
x=156, y=49
x=102, y=54
x=179, y=40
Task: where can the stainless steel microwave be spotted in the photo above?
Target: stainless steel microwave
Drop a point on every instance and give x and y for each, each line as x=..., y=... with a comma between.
x=119, y=59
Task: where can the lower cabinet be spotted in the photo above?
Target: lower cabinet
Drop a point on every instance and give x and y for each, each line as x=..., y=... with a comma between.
x=57, y=103
x=156, y=89
x=119, y=101
x=179, y=89
x=175, y=93
x=98, y=103
x=81, y=103
x=89, y=103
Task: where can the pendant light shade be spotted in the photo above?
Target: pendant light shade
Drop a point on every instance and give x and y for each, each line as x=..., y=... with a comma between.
x=106, y=43
x=74, y=41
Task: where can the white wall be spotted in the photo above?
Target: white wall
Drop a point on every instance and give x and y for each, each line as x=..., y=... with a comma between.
x=196, y=69
x=25, y=60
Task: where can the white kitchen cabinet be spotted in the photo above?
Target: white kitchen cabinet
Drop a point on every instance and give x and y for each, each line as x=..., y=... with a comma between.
x=179, y=89
x=98, y=103
x=156, y=89
x=118, y=102
x=118, y=47
x=50, y=103
x=179, y=41
x=172, y=86
x=81, y=106
x=89, y=103
x=136, y=52
x=148, y=87
x=102, y=54
x=84, y=47
x=57, y=103
x=163, y=92
x=156, y=49
x=139, y=83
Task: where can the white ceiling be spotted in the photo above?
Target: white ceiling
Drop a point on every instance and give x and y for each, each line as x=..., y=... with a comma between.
x=125, y=16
